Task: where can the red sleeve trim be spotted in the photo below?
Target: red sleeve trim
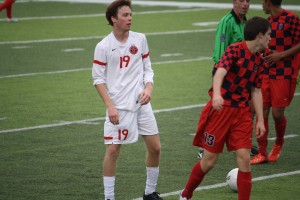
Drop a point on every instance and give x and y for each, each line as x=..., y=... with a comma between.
x=99, y=63
x=146, y=55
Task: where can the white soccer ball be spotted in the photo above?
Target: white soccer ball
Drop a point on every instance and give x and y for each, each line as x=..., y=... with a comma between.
x=231, y=179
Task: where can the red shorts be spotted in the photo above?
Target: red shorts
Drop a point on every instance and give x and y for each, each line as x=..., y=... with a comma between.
x=278, y=93
x=232, y=126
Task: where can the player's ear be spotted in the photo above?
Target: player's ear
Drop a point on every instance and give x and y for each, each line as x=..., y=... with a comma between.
x=114, y=19
x=260, y=35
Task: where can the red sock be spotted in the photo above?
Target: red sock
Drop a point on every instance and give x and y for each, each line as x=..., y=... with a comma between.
x=8, y=12
x=194, y=181
x=244, y=184
x=263, y=141
x=7, y=5
x=280, y=131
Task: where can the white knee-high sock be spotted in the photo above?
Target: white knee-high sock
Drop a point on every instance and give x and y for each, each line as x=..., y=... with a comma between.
x=151, y=182
x=109, y=187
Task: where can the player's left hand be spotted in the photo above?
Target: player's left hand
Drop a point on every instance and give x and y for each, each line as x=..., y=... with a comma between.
x=145, y=97
x=273, y=57
x=260, y=129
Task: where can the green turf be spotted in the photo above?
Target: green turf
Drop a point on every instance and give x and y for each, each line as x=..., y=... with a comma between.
x=65, y=162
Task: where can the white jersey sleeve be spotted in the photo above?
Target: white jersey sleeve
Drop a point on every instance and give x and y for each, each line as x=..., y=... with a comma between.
x=99, y=64
x=148, y=72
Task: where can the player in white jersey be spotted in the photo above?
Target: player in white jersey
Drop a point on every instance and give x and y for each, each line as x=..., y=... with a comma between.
x=123, y=77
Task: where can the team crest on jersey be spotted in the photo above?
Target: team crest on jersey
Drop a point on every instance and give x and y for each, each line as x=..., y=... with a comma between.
x=133, y=49
x=280, y=26
x=223, y=38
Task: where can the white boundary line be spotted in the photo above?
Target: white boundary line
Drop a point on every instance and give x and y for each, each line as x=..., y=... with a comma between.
x=171, y=3
x=208, y=187
x=100, y=37
x=92, y=120
x=270, y=139
x=97, y=119
x=102, y=15
x=85, y=69
x=285, y=137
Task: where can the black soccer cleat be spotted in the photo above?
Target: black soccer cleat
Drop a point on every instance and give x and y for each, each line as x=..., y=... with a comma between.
x=153, y=196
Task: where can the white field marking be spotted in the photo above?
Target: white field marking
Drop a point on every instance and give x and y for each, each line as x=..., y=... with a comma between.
x=21, y=47
x=100, y=37
x=297, y=94
x=173, y=3
x=72, y=50
x=85, y=69
x=83, y=122
x=262, y=178
x=52, y=125
x=3, y=118
x=102, y=15
x=64, y=123
x=94, y=119
x=43, y=73
x=273, y=138
x=171, y=54
x=205, y=23
x=286, y=136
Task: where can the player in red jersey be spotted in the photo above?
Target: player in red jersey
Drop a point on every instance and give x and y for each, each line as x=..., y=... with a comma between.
x=227, y=117
x=279, y=83
x=8, y=6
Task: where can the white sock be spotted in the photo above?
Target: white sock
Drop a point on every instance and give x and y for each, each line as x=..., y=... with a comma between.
x=151, y=182
x=109, y=187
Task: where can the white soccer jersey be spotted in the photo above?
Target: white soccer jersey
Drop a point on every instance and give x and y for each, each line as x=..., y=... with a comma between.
x=124, y=68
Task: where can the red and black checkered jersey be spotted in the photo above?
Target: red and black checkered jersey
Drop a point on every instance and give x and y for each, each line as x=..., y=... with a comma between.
x=285, y=34
x=244, y=71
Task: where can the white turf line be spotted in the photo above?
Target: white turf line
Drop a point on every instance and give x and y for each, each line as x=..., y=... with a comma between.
x=208, y=187
x=86, y=121
x=92, y=120
x=90, y=68
x=100, y=37
x=171, y=3
x=103, y=14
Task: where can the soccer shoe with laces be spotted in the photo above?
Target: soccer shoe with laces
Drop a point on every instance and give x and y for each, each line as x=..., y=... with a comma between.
x=258, y=159
x=275, y=153
x=182, y=198
x=153, y=196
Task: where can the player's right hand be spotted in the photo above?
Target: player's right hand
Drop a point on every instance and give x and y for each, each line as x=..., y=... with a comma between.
x=217, y=102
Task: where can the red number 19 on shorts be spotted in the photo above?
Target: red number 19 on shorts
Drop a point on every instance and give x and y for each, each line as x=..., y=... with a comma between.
x=123, y=133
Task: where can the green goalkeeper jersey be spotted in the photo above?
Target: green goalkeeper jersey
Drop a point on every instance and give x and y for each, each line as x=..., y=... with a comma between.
x=230, y=30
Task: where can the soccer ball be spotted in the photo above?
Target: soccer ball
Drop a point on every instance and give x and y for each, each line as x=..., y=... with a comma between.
x=231, y=179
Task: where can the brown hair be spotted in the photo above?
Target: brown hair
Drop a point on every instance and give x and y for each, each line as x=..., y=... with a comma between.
x=254, y=26
x=276, y=2
x=113, y=8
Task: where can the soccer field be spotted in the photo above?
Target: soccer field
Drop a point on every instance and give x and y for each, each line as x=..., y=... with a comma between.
x=51, y=117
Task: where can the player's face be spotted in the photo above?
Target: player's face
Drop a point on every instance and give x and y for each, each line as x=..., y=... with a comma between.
x=265, y=5
x=123, y=20
x=241, y=7
x=265, y=39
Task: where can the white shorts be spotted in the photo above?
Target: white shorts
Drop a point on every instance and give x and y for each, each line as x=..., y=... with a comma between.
x=131, y=125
